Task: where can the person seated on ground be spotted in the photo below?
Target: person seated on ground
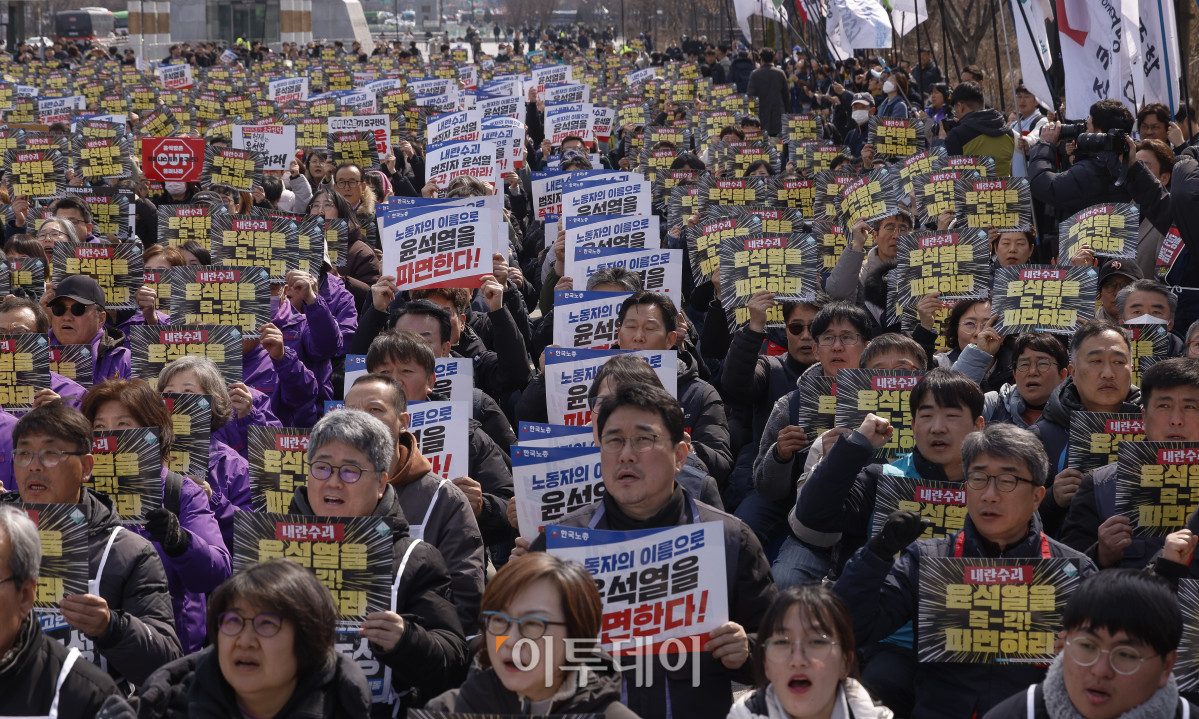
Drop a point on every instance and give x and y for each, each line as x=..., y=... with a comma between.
x=1149, y=302
x=1039, y=365
x=848, y=278
x=76, y=307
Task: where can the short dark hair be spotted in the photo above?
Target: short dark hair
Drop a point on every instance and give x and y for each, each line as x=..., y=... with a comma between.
x=1168, y=374
x=25, y=245
x=954, y=319
x=623, y=370
x=272, y=188
x=649, y=399
x=399, y=397
x=71, y=202
x=344, y=210
x=948, y=388
x=425, y=308
x=1093, y=329
x=817, y=304
x=400, y=346
x=1103, y=601
x=834, y=311
x=40, y=318
x=197, y=250
x=1040, y=342
x=55, y=419
x=969, y=94
x=766, y=55
x=670, y=315
x=1161, y=150
x=975, y=71
x=283, y=587
x=759, y=164
x=1158, y=110
x=1111, y=114
x=894, y=342
x=817, y=604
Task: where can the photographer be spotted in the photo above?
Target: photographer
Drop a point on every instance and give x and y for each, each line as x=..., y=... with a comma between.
x=981, y=130
x=1092, y=179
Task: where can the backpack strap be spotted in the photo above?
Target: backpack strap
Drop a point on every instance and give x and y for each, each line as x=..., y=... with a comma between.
x=172, y=493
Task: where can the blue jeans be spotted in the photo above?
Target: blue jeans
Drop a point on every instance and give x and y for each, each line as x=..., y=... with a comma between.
x=797, y=565
x=767, y=519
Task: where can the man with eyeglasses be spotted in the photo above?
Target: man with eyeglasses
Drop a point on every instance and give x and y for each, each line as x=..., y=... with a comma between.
x=1149, y=302
x=348, y=181
x=1005, y=471
x=77, y=317
x=71, y=209
x=641, y=437
x=1039, y=363
x=419, y=637
x=1170, y=411
x=848, y=278
x=1116, y=663
x=125, y=621
x=1100, y=381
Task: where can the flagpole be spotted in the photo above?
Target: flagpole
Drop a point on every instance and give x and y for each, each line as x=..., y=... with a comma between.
x=1041, y=63
x=1011, y=71
x=945, y=41
x=998, y=64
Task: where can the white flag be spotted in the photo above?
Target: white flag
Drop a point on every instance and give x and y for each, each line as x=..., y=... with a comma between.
x=1160, y=60
x=1099, y=53
x=859, y=24
x=1033, y=37
x=907, y=14
x=764, y=8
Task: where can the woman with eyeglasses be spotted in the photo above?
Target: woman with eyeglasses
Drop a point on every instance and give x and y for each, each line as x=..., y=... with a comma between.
x=52, y=231
x=272, y=626
x=186, y=535
x=541, y=615
x=361, y=267
x=805, y=661
x=975, y=348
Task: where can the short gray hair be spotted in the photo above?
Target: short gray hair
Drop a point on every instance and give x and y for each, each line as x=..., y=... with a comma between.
x=357, y=429
x=613, y=275
x=1010, y=442
x=25, y=545
x=67, y=227
x=1145, y=286
x=211, y=382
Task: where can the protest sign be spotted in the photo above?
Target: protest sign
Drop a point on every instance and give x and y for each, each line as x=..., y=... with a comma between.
x=992, y=611
x=447, y=160
x=784, y=265
x=921, y=163
x=99, y=159
x=660, y=270
x=442, y=433
x=657, y=585
x=706, y=239
x=127, y=468
x=984, y=165
x=180, y=224
x=552, y=482
x=1002, y=203
x=895, y=137
x=829, y=186
x=586, y=319
x=191, y=420
x=250, y=241
x=455, y=378
x=731, y=191
x=604, y=198
x=27, y=274
x=815, y=407
x=175, y=77
x=955, y=264
x=286, y=89
x=63, y=570
x=1155, y=485
x=869, y=198
x=214, y=295
x=173, y=159
x=1169, y=253
x=547, y=192
x=794, y=192
x=378, y=125
x=943, y=504
x=311, y=132
x=239, y=170
x=884, y=393
x=278, y=459
x=684, y=202
x=75, y=362
x=1095, y=438
x=540, y=434
x=35, y=173
x=1042, y=298
x=465, y=126
x=24, y=369
x=611, y=231
x=936, y=193
x=1150, y=342
x=155, y=346
x=117, y=267
x=112, y=209
x=160, y=122
x=350, y=555
x=802, y=127
x=439, y=248
x=570, y=372
x=354, y=147
x=275, y=143
x=1110, y=231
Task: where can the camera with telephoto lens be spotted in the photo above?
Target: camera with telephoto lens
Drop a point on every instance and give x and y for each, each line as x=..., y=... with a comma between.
x=1092, y=143
x=1070, y=130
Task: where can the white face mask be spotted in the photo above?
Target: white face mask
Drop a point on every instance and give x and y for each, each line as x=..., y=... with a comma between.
x=860, y=116
x=888, y=86
x=175, y=188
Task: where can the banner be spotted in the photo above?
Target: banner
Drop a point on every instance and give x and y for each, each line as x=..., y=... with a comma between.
x=1099, y=46
x=956, y=264
x=442, y=433
x=440, y=248
x=213, y=295
x=251, y=241
x=783, y=265
x=1154, y=485
x=455, y=378
x=660, y=270
x=883, y=393
x=153, y=347
x=275, y=143
x=239, y=170
x=1095, y=438
x=1111, y=231
x=611, y=231
x=587, y=319
x=539, y=434
x=173, y=159
x=1032, y=20
x=943, y=504
x=1003, y=203
x=553, y=482
x=117, y=267
x=992, y=611
x=278, y=459
x=856, y=24
x=1043, y=298
x=657, y=585
x=1162, y=63
x=570, y=372
x=127, y=468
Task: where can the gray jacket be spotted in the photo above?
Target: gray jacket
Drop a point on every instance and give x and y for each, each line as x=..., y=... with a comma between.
x=845, y=281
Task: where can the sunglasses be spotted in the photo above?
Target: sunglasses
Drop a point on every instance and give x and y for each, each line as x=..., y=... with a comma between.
x=76, y=309
x=797, y=328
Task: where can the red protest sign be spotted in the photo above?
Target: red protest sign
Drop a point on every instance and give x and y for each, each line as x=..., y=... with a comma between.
x=173, y=159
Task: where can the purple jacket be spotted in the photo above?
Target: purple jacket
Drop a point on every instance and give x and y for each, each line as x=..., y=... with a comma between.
x=314, y=334
x=199, y=570
x=229, y=477
x=233, y=434
x=137, y=318
x=110, y=356
x=291, y=386
x=71, y=391
x=6, y=477
x=341, y=304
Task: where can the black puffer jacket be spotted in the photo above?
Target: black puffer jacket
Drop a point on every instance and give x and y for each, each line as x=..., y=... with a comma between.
x=29, y=673
x=1089, y=182
x=484, y=693
x=193, y=688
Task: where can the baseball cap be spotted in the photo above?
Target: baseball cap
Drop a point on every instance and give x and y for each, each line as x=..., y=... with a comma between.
x=863, y=98
x=82, y=289
x=1124, y=268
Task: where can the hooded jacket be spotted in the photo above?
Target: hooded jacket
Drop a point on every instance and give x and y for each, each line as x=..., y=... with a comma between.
x=313, y=333
x=484, y=693
x=29, y=672
x=340, y=303
x=110, y=356
x=984, y=132
x=446, y=521
x=229, y=478
x=431, y=654
x=194, y=688
x=852, y=702
x=882, y=596
x=141, y=636
x=260, y=415
x=290, y=385
x=1005, y=406
x=1053, y=428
